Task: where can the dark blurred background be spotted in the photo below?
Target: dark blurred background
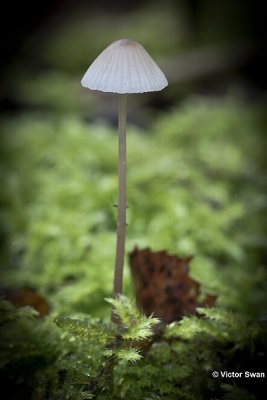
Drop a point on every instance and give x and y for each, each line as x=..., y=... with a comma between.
x=202, y=45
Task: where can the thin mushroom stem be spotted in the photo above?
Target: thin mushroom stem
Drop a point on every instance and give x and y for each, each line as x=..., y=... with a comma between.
x=121, y=219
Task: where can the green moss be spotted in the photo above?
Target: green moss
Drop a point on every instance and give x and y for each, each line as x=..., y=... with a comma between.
x=196, y=185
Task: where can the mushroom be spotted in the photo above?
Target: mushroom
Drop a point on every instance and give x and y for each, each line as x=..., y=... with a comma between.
x=123, y=67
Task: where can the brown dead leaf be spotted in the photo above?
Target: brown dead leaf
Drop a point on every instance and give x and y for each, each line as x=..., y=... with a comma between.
x=27, y=297
x=162, y=285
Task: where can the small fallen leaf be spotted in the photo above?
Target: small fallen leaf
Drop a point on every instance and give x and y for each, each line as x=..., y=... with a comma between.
x=163, y=286
x=27, y=297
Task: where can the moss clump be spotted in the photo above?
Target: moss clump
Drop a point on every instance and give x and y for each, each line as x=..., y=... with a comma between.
x=197, y=188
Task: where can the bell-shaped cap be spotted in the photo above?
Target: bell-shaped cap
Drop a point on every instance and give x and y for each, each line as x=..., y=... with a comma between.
x=124, y=67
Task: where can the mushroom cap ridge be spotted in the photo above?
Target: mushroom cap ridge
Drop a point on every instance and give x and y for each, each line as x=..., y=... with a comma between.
x=124, y=67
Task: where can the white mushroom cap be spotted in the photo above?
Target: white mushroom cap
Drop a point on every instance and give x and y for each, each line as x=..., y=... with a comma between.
x=124, y=67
